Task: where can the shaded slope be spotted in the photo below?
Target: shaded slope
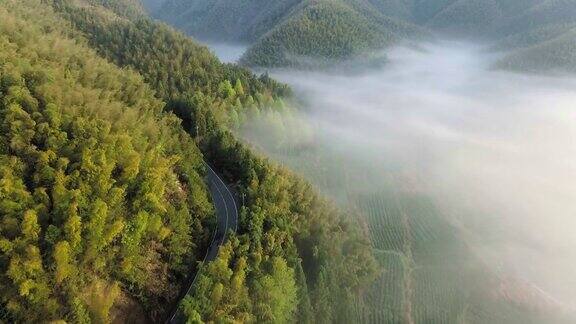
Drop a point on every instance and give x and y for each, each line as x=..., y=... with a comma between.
x=539, y=15
x=293, y=32
x=477, y=17
x=466, y=16
x=307, y=33
x=532, y=37
x=399, y=9
x=555, y=55
x=126, y=8
x=542, y=38
x=239, y=21
x=324, y=32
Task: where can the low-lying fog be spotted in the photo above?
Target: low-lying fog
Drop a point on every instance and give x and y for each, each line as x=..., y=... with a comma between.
x=227, y=53
x=496, y=150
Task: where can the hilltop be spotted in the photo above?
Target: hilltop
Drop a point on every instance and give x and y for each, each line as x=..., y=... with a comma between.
x=301, y=33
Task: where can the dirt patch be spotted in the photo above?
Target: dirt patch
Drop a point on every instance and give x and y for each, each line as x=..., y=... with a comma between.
x=127, y=310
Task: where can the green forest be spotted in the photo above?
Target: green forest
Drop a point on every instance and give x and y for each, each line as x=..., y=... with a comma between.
x=305, y=33
x=106, y=119
x=102, y=193
x=109, y=119
x=321, y=34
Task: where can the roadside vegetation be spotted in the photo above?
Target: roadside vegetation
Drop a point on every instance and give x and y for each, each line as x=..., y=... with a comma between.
x=107, y=117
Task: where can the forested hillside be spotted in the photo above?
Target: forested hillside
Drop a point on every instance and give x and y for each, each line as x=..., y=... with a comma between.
x=323, y=31
x=295, y=257
x=291, y=33
x=103, y=208
x=152, y=5
x=555, y=54
x=304, y=33
x=543, y=38
x=128, y=8
x=104, y=211
x=239, y=21
x=537, y=15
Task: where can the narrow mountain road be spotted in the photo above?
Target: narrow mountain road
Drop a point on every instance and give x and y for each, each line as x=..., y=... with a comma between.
x=227, y=217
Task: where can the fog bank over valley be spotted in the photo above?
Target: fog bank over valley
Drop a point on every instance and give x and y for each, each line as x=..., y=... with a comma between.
x=227, y=53
x=495, y=151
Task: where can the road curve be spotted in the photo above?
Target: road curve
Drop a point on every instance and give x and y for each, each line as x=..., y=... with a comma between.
x=227, y=218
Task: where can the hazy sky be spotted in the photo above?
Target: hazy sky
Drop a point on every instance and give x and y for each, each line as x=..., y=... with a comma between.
x=495, y=145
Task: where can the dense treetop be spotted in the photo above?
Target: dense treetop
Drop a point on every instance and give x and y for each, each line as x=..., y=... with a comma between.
x=102, y=201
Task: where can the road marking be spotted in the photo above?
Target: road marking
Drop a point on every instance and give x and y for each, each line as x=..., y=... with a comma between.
x=226, y=209
x=230, y=196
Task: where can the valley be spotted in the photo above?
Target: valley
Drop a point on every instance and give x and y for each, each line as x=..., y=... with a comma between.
x=429, y=151
x=287, y=161
x=304, y=34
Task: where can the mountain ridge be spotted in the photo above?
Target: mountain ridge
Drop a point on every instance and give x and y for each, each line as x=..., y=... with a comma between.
x=283, y=34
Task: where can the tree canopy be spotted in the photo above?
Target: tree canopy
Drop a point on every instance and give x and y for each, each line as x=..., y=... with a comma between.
x=105, y=118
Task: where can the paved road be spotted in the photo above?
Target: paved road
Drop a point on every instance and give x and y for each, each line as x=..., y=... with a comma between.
x=227, y=216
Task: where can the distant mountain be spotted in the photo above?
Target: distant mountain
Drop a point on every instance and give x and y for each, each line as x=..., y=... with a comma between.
x=152, y=5
x=400, y=9
x=542, y=38
x=324, y=31
x=540, y=14
x=305, y=32
x=556, y=54
x=226, y=20
x=293, y=32
x=466, y=16
x=126, y=8
x=532, y=37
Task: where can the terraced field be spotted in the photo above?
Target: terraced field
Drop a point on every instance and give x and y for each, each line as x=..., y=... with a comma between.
x=419, y=251
x=421, y=256
x=389, y=307
x=429, y=273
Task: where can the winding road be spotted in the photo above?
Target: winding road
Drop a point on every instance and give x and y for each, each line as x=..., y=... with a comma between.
x=227, y=217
